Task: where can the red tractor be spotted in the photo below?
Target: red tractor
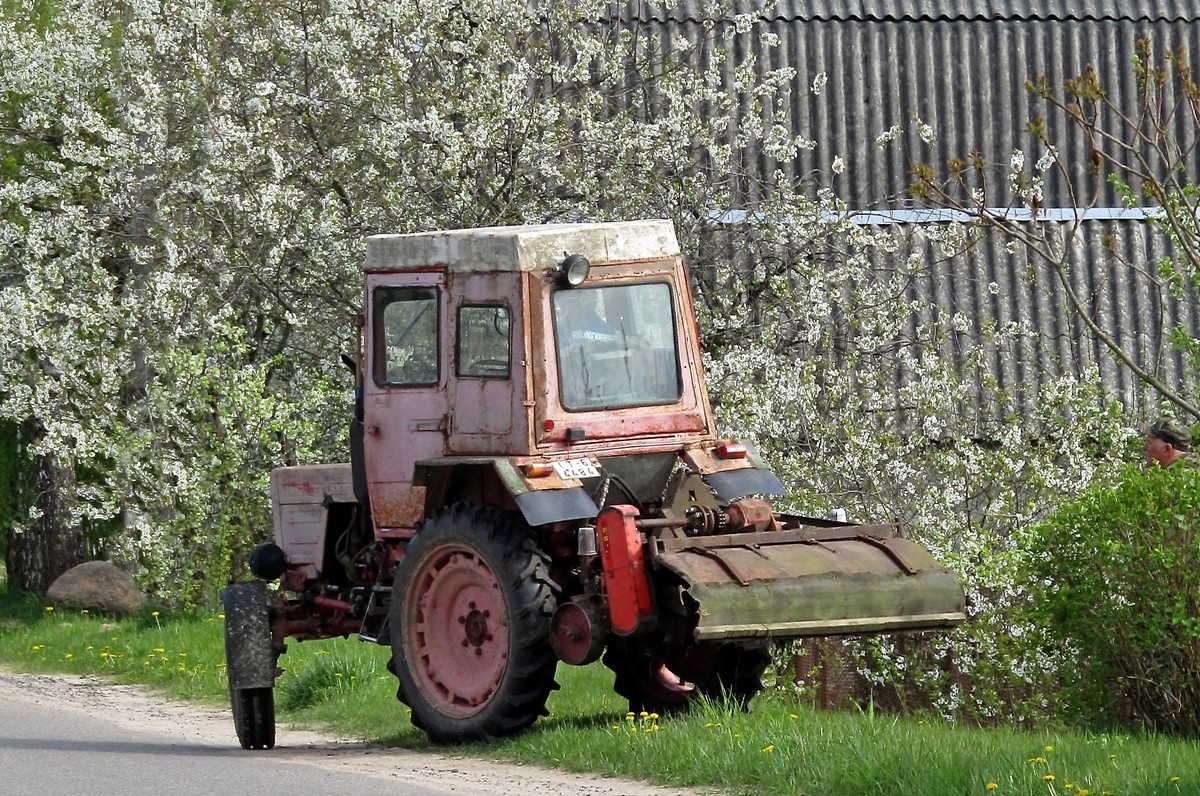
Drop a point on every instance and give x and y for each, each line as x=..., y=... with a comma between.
x=535, y=476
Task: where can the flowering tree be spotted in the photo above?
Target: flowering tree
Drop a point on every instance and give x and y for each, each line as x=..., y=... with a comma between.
x=188, y=189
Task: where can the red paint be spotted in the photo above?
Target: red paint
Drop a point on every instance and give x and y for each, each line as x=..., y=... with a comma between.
x=630, y=599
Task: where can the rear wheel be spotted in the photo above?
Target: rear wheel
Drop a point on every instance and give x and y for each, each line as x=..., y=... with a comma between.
x=667, y=682
x=470, y=619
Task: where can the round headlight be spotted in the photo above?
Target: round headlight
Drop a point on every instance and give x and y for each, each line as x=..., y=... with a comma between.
x=575, y=269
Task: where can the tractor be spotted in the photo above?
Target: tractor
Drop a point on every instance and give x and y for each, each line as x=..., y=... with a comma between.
x=534, y=477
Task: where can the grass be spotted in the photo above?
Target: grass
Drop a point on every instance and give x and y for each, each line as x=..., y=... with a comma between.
x=781, y=748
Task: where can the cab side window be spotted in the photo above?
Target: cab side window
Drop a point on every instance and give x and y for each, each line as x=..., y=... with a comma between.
x=406, y=336
x=484, y=343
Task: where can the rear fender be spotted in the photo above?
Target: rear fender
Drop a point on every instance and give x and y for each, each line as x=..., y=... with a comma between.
x=249, y=656
x=498, y=481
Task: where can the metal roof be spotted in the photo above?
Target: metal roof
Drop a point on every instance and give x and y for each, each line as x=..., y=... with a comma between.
x=886, y=10
x=959, y=66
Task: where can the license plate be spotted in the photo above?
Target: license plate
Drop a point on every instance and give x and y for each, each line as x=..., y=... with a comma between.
x=576, y=468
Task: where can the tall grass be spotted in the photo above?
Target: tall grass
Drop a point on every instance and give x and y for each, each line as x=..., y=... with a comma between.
x=343, y=687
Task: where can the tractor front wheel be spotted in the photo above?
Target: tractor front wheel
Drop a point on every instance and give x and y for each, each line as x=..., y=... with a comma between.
x=470, y=618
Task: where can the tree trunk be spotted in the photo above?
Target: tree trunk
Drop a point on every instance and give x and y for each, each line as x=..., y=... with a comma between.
x=42, y=549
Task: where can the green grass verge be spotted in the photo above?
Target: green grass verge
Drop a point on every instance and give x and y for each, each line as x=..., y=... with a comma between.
x=781, y=748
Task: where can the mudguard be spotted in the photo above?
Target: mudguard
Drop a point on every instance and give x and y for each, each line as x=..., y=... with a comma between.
x=249, y=657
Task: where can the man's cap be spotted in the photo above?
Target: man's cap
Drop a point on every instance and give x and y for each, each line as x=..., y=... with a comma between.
x=1171, y=431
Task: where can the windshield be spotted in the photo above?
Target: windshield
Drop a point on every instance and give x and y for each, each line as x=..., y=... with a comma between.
x=616, y=346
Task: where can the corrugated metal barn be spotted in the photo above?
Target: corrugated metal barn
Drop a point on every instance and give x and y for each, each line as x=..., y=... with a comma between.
x=961, y=67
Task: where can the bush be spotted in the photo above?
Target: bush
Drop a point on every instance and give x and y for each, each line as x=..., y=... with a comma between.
x=1115, y=585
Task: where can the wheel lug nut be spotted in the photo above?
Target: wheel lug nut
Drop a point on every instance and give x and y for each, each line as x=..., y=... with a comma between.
x=462, y=620
x=478, y=651
x=471, y=605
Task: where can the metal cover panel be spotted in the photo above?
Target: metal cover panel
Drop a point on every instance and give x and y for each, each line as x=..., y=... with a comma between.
x=837, y=587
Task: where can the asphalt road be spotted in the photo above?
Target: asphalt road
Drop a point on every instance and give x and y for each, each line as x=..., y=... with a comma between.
x=70, y=735
x=49, y=751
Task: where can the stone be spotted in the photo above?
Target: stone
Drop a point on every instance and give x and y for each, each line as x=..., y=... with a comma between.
x=96, y=586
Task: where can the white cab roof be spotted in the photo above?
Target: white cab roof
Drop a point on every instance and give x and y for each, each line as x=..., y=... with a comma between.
x=524, y=248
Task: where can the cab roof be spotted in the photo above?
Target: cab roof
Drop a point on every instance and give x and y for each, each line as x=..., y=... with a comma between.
x=533, y=247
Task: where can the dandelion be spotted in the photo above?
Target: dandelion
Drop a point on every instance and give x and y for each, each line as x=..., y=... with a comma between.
x=68, y=656
x=158, y=651
x=991, y=786
x=768, y=749
x=154, y=614
x=644, y=714
x=794, y=716
x=653, y=717
x=49, y=609
x=1174, y=780
x=1037, y=760
x=1048, y=778
x=1048, y=748
x=220, y=616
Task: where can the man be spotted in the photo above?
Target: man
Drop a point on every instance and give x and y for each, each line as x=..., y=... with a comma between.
x=1167, y=441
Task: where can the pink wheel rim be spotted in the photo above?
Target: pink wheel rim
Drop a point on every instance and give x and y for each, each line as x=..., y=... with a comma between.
x=456, y=631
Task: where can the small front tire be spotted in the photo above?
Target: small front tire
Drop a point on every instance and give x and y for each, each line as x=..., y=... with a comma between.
x=254, y=716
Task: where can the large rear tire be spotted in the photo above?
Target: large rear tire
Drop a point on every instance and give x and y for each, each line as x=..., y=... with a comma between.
x=666, y=683
x=470, y=618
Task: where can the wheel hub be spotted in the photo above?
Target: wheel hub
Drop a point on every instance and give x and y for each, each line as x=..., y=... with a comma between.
x=475, y=624
x=457, y=629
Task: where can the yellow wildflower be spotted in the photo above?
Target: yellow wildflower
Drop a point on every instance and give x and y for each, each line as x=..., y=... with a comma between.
x=991, y=786
x=1048, y=778
x=769, y=748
